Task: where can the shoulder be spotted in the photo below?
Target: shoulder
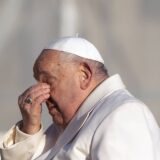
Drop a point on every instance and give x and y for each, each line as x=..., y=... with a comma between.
x=134, y=114
x=129, y=131
x=132, y=119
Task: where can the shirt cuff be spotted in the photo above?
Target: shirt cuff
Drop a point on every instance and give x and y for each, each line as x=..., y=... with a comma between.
x=21, y=136
x=15, y=135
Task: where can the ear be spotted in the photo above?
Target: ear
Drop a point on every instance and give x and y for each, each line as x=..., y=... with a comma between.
x=85, y=75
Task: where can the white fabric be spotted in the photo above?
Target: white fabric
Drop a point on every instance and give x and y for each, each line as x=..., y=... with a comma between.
x=78, y=46
x=128, y=132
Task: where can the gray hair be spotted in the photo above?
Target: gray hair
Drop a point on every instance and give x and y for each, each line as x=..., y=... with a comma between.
x=99, y=70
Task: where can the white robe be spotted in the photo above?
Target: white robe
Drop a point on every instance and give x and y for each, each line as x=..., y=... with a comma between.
x=110, y=125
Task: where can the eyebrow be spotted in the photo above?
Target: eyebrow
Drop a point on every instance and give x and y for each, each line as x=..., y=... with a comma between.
x=43, y=73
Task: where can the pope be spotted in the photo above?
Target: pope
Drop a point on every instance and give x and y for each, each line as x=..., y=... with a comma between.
x=94, y=116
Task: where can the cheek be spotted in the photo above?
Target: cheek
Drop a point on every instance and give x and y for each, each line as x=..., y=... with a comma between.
x=65, y=91
x=71, y=91
x=58, y=93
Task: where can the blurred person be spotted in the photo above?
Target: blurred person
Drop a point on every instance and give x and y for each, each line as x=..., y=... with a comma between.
x=94, y=115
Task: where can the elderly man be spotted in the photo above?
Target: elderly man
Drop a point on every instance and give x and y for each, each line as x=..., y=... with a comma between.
x=94, y=116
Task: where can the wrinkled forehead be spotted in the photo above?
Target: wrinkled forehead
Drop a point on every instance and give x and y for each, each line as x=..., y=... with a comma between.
x=48, y=54
x=46, y=60
x=47, y=57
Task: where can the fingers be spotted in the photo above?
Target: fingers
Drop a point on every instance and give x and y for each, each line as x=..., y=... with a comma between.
x=41, y=98
x=38, y=93
x=31, y=112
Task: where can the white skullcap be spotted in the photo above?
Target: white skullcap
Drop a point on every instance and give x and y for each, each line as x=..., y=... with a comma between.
x=78, y=46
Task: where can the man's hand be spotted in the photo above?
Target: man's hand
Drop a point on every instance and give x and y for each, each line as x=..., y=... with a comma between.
x=31, y=111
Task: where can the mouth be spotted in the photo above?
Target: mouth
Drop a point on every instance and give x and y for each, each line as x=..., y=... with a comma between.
x=52, y=105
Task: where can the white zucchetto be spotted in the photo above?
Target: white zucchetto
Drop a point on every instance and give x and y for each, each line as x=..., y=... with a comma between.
x=78, y=46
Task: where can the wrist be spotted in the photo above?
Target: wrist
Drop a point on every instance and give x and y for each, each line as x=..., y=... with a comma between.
x=29, y=128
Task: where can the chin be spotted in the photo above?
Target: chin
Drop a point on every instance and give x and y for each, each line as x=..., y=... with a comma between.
x=58, y=120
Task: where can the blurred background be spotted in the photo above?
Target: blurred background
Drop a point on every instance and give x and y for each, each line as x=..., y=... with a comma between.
x=126, y=32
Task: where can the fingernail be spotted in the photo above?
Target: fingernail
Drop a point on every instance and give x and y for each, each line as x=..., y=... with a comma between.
x=46, y=85
x=47, y=96
x=47, y=89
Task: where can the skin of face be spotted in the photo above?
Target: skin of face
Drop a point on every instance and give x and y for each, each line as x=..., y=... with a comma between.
x=65, y=80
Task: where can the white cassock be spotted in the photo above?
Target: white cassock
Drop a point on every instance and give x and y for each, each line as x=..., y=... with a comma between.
x=110, y=125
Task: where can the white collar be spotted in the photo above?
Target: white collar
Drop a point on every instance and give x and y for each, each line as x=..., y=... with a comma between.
x=106, y=88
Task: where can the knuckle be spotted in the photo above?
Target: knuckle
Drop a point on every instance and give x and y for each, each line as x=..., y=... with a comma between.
x=30, y=89
x=39, y=99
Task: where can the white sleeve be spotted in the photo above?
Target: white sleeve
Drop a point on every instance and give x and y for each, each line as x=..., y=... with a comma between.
x=18, y=145
x=129, y=133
